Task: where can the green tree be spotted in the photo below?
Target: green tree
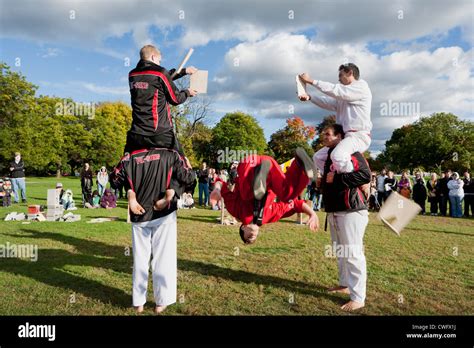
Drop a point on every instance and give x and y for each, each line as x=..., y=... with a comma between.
x=237, y=131
x=284, y=142
x=436, y=142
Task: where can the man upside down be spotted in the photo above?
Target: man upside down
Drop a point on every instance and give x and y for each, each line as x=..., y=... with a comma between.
x=260, y=181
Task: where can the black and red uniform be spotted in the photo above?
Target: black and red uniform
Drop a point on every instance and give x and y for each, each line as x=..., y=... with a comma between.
x=344, y=193
x=149, y=173
x=152, y=91
x=284, y=186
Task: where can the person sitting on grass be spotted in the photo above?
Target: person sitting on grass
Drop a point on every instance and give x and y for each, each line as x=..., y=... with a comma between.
x=108, y=200
x=95, y=199
x=6, y=192
x=250, y=197
x=68, y=201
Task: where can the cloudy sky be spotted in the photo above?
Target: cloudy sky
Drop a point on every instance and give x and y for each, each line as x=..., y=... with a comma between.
x=412, y=53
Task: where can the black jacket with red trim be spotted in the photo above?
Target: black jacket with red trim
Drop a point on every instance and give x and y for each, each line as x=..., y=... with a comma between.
x=152, y=90
x=344, y=194
x=148, y=173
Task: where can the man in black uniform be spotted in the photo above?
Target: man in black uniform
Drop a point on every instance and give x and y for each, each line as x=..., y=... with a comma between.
x=346, y=206
x=152, y=90
x=146, y=174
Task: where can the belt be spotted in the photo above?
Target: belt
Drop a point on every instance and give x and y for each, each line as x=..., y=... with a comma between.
x=353, y=130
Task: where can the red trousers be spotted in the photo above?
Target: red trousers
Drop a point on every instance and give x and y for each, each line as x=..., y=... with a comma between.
x=286, y=186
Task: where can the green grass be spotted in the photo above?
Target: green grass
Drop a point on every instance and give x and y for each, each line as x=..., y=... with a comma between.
x=218, y=275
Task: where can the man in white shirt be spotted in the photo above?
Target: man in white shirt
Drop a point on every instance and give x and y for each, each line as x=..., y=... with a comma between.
x=351, y=99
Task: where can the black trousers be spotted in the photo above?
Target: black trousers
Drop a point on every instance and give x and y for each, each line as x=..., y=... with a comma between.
x=443, y=205
x=468, y=202
x=166, y=140
x=433, y=204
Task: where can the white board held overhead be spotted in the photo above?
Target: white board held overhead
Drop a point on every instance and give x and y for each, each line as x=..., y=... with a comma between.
x=300, y=87
x=198, y=81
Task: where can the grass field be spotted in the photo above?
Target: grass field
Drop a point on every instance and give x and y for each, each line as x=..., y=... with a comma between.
x=85, y=269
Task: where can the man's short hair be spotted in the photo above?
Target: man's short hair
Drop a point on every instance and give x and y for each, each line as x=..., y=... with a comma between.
x=148, y=50
x=336, y=128
x=350, y=67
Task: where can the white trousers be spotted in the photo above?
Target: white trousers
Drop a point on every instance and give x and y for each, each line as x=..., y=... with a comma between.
x=347, y=234
x=157, y=238
x=341, y=155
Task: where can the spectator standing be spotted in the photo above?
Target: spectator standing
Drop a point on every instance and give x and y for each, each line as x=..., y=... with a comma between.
x=86, y=184
x=456, y=195
x=203, y=180
x=404, y=185
x=419, y=191
x=390, y=184
x=433, y=194
x=17, y=177
x=444, y=193
x=102, y=180
x=468, y=194
x=381, y=186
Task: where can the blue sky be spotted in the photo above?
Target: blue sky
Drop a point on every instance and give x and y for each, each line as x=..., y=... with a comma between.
x=424, y=57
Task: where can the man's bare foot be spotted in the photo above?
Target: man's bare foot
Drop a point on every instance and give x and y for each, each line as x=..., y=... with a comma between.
x=139, y=309
x=339, y=289
x=133, y=204
x=352, y=306
x=159, y=309
x=135, y=207
x=165, y=201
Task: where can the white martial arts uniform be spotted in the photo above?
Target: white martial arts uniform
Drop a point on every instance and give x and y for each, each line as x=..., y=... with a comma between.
x=347, y=232
x=352, y=104
x=158, y=238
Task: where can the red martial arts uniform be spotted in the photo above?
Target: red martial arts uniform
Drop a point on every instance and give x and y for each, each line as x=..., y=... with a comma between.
x=286, y=187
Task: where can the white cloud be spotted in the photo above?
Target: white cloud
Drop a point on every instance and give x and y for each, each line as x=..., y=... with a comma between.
x=50, y=52
x=244, y=20
x=105, y=89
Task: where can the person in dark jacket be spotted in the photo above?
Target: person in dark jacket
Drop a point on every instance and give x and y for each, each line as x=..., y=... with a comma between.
x=152, y=91
x=433, y=194
x=86, y=184
x=108, y=200
x=17, y=177
x=419, y=192
x=203, y=184
x=154, y=233
x=347, y=215
x=444, y=193
x=468, y=194
x=390, y=184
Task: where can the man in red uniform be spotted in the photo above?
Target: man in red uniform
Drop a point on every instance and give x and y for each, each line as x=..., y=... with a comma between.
x=260, y=180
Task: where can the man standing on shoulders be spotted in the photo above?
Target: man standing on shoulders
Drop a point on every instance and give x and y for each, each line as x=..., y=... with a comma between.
x=17, y=175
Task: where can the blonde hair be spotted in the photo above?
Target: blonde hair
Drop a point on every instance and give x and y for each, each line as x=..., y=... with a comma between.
x=148, y=50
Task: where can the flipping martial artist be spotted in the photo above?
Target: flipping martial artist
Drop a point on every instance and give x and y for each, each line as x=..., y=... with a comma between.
x=260, y=180
x=346, y=208
x=152, y=90
x=147, y=174
x=351, y=99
